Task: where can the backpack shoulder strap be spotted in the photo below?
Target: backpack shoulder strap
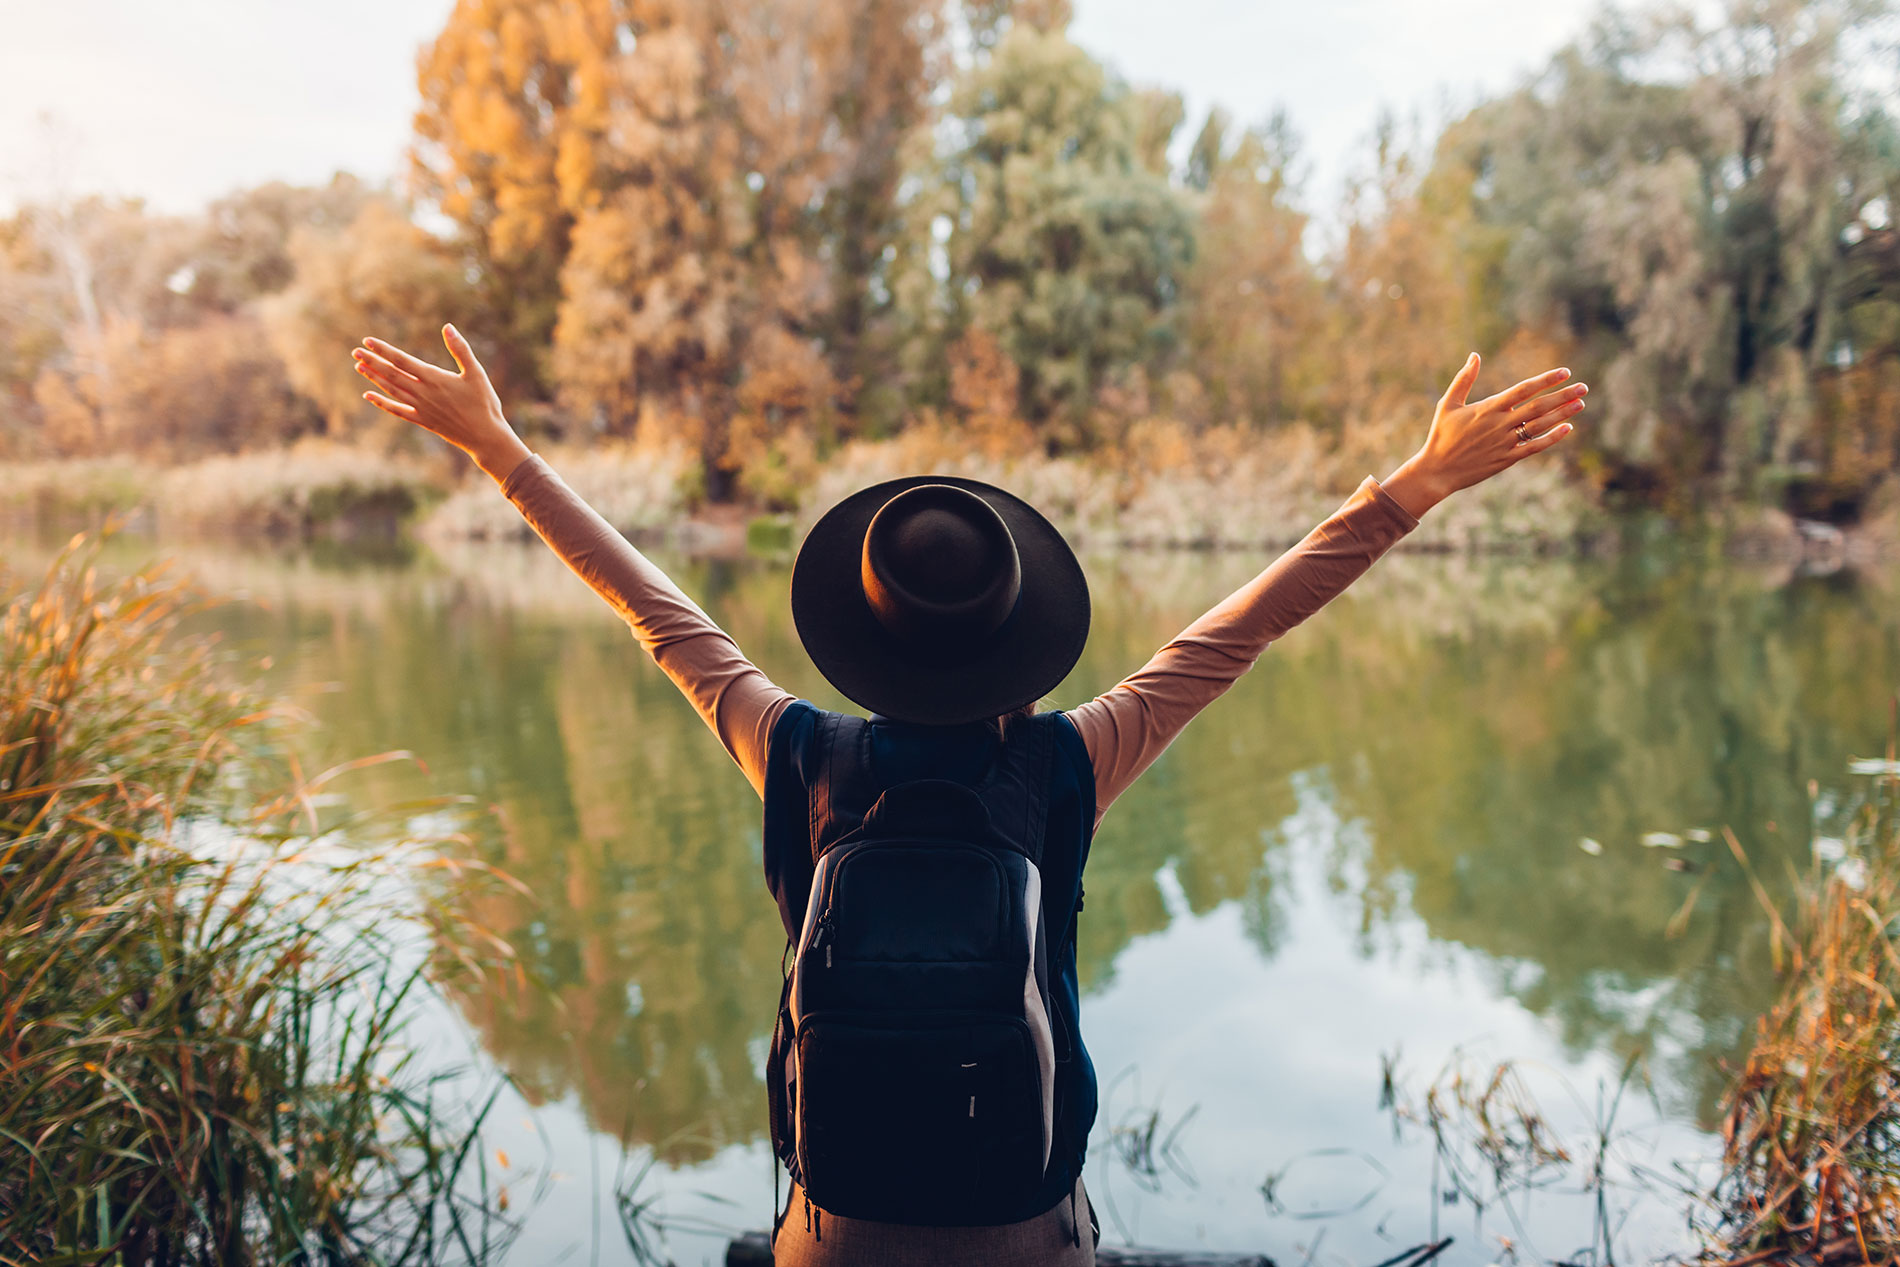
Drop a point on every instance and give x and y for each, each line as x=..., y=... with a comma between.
x=1017, y=784
x=844, y=746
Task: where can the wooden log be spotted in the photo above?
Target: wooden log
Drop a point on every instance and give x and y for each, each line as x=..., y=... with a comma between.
x=754, y=1249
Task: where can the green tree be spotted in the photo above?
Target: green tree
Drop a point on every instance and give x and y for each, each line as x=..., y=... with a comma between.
x=1043, y=223
x=1702, y=239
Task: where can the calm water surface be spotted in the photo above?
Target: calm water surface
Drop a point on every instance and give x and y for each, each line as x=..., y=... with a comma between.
x=1373, y=854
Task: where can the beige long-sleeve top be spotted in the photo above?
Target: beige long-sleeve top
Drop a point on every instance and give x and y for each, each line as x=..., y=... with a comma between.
x=1124, y=729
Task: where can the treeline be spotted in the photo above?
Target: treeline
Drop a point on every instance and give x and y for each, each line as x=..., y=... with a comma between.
x=763, y=228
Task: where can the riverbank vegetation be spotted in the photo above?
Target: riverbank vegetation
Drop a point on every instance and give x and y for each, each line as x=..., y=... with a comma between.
x=790, y=238
x=1812, y=1125
x=202, y=1050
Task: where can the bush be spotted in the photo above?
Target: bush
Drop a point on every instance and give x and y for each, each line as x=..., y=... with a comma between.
x=79, y=488
x=641, y=489
x=1222, y=487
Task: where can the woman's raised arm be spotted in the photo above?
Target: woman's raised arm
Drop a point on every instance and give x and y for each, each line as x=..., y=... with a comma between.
x=1128, y=726
x=738, y=701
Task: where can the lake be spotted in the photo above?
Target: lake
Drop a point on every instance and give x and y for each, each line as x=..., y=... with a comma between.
x=1409, y=846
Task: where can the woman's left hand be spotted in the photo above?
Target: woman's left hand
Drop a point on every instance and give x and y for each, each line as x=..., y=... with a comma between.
x=461, y=408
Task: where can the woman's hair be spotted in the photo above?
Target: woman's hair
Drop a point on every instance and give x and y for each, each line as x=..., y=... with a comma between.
x=1015, y=714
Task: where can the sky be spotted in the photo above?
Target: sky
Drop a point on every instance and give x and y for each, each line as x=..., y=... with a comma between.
x=182, y=101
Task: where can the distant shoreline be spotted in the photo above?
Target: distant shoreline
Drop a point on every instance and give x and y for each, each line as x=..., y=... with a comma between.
x=340, y=494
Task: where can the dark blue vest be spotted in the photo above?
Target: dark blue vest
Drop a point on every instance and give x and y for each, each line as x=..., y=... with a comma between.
x=814, y=794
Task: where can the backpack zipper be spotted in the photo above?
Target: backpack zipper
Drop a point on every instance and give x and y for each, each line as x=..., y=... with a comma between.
x=821, y=936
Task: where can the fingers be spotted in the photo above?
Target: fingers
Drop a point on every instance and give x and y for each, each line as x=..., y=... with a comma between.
x=1461, y=382
x=368, y=360
x=1544, y=409
x=464, y=355
x=400, y=386
x=1511, y=397
x=405, y=412
x=411, y=364
x=1537, y=444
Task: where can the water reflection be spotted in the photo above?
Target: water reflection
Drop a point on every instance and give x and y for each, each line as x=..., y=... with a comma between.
x=1469, y=723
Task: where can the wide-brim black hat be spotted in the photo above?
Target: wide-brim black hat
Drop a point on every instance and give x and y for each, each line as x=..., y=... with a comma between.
x=947, y=612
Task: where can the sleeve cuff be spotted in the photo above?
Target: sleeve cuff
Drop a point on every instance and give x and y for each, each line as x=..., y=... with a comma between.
x=1375, y=492
x=519, y=475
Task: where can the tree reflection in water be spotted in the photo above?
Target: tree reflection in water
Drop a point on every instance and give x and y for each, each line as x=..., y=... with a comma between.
x=1468, y=721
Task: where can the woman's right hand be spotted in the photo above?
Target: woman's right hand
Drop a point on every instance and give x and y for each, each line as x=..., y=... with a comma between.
x=461, y=408
x=1469, y=443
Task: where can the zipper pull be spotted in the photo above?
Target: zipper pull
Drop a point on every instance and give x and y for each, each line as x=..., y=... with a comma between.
x=822, y=935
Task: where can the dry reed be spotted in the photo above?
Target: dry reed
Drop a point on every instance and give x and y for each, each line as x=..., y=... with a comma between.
x=200, y=1015
x=1812, y=1127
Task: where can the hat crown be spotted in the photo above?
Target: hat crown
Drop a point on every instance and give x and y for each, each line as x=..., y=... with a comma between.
x=939, y=567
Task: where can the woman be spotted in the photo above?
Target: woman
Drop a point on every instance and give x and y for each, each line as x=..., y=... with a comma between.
x=947, y=608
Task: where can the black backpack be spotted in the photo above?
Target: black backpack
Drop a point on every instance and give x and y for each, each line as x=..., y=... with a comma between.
x=912, y=1074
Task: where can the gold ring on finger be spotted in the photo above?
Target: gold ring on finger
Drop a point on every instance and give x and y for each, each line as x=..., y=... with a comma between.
x=1518, y=430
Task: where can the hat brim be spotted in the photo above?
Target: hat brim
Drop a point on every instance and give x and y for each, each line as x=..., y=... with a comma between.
x=1021, y=662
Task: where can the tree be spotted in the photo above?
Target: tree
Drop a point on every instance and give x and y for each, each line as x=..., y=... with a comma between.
x=173, y=394
x=32, y=319
x=1042, y=223
x=239, y=250
x=512, y=95
x=691, y=290
x=1253, y=302
x=128, y=332
x=381, y=273
x=895, y=56
x=1691, y=234
x=691, y=199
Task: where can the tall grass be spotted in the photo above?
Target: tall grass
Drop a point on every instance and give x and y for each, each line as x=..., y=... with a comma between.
x=73, y=488
x=1812, y=1128
x=1165, y=486
x=201, y=1010
x=311, y=487
x=642, y=489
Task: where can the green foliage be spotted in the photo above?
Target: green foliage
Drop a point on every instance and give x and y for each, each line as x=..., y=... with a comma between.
x=1044, y=224
x=200, y=1055
x=760, y=229
x=1693, y=238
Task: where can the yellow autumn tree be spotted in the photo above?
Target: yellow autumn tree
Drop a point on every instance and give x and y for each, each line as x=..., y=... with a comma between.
x=380, y=272
x=1254, y=320
x=510, y=89
x=685, y=200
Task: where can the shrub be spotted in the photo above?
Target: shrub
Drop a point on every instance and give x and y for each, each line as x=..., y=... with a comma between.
x=1221, y=487
x=642, y=490
x=77, y=488
x=312, y=487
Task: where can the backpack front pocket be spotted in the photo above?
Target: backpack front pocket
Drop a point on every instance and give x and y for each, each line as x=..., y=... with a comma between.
x=920, y=902
x=930, y=1120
